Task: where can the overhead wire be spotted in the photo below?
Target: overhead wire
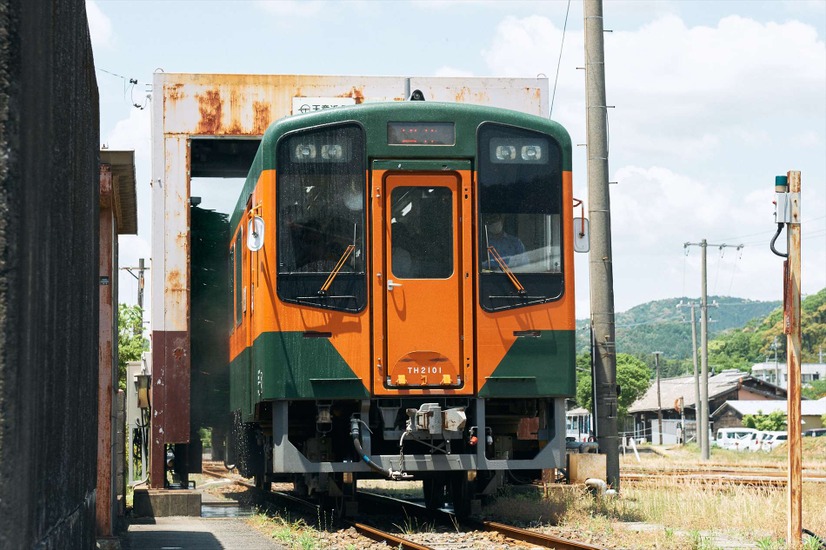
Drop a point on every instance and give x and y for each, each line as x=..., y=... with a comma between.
x=734, y=269
x=559, y=61
x=128, y=85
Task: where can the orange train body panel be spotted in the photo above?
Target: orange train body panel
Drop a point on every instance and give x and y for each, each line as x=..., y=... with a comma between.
x=495, y=331
x=351, y=335
x=350, y=331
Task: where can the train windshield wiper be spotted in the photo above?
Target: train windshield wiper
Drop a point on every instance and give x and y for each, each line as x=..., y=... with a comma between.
x=336, y=270
x=507, y=271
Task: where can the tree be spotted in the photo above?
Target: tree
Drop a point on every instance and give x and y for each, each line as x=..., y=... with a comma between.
x=815, y=390
x=633, y=378
x=772, y=422
x=131, y=343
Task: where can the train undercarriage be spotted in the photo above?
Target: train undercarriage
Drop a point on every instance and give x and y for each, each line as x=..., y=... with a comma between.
x=461, y=449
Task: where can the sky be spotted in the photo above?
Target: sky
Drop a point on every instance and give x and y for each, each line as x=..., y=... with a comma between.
x=710, y=101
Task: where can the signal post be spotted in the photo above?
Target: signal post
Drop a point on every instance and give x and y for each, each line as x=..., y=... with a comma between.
x=787, y=213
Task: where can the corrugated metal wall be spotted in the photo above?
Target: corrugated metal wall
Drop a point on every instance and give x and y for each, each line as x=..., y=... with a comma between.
x=49, y=139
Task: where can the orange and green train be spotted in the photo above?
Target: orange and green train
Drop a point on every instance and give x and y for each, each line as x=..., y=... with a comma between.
x=402, y=300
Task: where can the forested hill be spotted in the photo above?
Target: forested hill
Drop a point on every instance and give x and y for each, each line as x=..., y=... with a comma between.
x=740, y=348
x=663, y=326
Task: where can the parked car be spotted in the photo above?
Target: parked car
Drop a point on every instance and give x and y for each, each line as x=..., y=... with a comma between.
x=737, y=439
x=773, y=440
x=815, y=432
x=755, y=444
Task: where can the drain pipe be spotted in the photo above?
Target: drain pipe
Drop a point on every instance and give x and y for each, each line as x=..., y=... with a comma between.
x=388, y=473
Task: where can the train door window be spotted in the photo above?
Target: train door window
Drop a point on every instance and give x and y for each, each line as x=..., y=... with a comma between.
x=238, y=277
x=520, y=217
x=421, y=232
x=320, y=190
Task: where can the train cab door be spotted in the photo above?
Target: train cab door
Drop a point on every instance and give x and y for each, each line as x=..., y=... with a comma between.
x=422, y=257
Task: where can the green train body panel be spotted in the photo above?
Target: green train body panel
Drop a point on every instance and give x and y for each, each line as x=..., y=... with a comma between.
x=540, y=366
x=467, y=119
x=286, y=365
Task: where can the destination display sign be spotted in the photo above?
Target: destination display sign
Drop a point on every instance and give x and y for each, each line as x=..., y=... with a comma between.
x=421, y=133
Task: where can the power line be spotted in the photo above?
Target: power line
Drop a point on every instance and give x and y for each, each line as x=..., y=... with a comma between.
x=559, y=62
x=128, y=85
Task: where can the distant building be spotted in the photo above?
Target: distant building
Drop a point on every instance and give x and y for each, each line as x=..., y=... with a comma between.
x=730, y=414
x=771, y=371
x=678, y=403
x=578, y=425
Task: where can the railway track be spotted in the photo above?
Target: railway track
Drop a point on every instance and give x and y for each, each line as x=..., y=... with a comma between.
x=449, y=520
x=502, y=535
x=713, y=474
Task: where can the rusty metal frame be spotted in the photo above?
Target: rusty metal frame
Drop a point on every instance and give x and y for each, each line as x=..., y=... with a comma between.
x=186, y=106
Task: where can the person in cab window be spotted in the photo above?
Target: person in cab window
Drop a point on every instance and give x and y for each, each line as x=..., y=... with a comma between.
x=508, y=246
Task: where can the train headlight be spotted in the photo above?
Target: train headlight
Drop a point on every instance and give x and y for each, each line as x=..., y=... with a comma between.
x=518, y=150
x=505, y=152
x=531, y=153
x=332, y=152
x=305, y=151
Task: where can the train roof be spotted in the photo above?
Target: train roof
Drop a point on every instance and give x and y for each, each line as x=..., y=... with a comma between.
x=467, y=118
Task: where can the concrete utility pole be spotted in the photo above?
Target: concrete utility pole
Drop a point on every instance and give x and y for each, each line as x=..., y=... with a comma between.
x=705, y=451
x=787, y=201
x=600, y=262
x=140, y=278
x=776, y=366
x=659, y=400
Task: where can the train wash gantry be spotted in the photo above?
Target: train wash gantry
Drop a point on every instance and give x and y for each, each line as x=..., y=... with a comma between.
x=209, y=126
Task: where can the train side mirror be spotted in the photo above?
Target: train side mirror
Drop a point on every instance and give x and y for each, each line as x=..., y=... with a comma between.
x=582, y=235
x=255, y=234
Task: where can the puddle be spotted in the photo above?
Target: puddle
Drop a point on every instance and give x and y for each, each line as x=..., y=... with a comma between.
x=229, y=510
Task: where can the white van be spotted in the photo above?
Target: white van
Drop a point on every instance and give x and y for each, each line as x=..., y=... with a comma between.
x=773, y=440
x=757, y=443
x=737, y=439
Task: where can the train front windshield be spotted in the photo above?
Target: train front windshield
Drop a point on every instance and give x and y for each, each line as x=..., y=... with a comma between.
x=321, y=218
x=520, y=235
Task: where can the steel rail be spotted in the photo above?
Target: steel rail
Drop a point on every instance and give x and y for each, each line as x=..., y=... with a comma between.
x=532, y=537
x=707, y=480
x=383, y=536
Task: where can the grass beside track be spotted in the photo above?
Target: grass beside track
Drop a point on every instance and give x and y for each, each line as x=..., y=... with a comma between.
x=668, y=513
x=675, y=513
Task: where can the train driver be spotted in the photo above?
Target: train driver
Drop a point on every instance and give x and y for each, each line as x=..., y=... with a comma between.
x=508, y=246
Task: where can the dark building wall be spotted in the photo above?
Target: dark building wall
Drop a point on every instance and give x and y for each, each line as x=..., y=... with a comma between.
x=49, y=140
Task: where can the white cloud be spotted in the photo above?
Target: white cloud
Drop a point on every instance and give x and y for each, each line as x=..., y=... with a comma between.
x=688, y=89
x=133, y=133
x=678, y=89
x=100, y=27
x=704, y=118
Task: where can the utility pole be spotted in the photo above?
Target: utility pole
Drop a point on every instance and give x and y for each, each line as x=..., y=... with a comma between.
x=659, y=401
x=139, y=277
x=787, y=213
x=776, y=366
x=141, y=269
x=600, y=260
x=705, y=452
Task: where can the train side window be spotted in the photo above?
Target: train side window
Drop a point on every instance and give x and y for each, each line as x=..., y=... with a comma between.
x=231, y=289
x=238, y=276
